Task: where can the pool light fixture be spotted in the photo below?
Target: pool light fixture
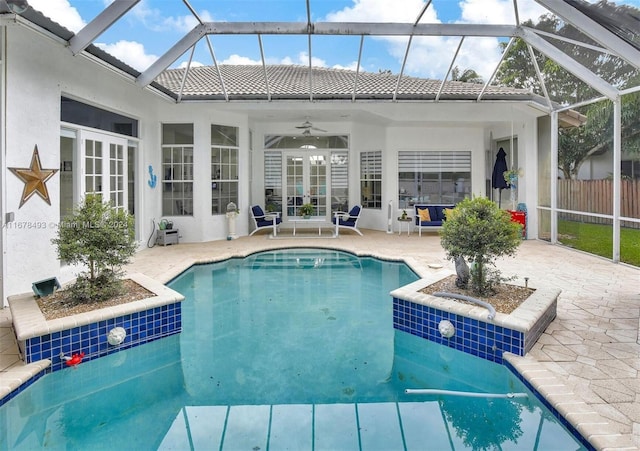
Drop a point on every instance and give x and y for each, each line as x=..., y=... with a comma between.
x=446, y=328
x=116, y=336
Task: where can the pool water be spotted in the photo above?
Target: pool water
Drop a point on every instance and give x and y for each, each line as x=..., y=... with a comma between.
x=291, y=349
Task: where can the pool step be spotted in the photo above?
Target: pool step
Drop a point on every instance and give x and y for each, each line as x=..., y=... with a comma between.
x=381, y=426
x=303, y=260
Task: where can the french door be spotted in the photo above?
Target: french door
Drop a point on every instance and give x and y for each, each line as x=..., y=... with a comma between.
x=103, y=167
x=306, y=180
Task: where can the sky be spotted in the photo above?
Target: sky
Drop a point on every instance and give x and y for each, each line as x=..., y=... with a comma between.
x=153, y=26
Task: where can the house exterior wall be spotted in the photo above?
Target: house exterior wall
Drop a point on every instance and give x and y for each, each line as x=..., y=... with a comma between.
x=38, y=72
x=40, y=69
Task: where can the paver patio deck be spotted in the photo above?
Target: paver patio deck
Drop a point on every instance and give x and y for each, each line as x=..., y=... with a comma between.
x=591, y=348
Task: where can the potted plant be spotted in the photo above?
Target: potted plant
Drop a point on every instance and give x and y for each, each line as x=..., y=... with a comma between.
x=306, y=210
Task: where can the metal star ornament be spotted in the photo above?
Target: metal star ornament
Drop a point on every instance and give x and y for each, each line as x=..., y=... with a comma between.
x=34, y=178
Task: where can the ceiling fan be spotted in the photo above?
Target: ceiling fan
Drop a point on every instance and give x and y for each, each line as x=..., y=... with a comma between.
x=307, y=126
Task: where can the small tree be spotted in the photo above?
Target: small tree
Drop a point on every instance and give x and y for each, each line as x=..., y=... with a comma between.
x=101, y=238
x=479, y=231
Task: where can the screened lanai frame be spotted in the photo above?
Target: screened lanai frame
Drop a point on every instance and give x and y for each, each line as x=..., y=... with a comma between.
x=612, y=35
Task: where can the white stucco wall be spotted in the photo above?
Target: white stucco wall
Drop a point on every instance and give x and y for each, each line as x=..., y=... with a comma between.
x=39, y=70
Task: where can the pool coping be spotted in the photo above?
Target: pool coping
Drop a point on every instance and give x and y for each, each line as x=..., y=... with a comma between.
x=29, y=322
x=567, y=405
x=522, y=319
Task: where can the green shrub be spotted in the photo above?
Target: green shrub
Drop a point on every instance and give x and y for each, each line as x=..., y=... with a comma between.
x=478, y=231
x=100, y=238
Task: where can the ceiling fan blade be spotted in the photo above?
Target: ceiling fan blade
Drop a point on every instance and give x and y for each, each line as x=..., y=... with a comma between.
x=317, y=129
x=305, y=124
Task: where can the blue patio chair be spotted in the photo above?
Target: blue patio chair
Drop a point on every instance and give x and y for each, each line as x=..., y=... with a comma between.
x=262, y=220
x=347, y=220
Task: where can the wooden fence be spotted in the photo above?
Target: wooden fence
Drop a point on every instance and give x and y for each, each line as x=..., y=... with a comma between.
x=596, y=196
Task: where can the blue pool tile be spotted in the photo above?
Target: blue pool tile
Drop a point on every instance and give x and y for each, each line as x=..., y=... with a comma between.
x=92, y=338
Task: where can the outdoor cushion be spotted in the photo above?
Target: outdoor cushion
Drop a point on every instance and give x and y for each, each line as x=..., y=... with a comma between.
x=424, y=215
x=261, y=221
x=448, y=212
x=439, y=213
x=436, y=215
x=346, y=222
x=268, y=222
x=351, y=220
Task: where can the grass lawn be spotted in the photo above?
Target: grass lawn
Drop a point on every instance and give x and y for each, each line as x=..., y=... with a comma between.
x=598, y=239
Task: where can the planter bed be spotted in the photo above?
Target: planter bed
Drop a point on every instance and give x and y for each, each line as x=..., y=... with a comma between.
x=421, y=314
x=143, y=321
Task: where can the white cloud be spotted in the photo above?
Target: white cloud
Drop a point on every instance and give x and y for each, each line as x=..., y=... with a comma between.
x=240, y=60
x=130, y=52
x=302, y=59
x=61, y=12
x=351, y=66
x=382, y=11
x=499, y=11
x=487, y=11
x=183, y=64
x=483, y=54
x=155, y=20
x=530, y=10
x=426, y=52
x=430, y=56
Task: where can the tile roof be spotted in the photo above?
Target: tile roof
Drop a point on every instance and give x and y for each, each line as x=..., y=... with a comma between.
x=289, y=82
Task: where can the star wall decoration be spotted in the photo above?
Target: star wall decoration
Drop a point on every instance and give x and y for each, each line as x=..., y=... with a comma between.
x=34, y=178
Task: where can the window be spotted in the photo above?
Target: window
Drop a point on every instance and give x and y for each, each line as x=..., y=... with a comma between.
x=273, y=181
x=93, y=167
x=339, y=181
x=80, y=113
x=371, y=179
x=103, y=168
x=433, y=177
x=177, y=169
x=224, y=168
x=118, y=176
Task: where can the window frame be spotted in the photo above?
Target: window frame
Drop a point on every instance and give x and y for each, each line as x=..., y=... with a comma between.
x=371, y=179
x=416, y=171
x=225, y=168
x=177, y=159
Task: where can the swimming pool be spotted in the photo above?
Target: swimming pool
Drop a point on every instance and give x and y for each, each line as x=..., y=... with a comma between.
x=289, y=349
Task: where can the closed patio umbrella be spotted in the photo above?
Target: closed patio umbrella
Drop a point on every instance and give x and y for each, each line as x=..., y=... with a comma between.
x=497, y=178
